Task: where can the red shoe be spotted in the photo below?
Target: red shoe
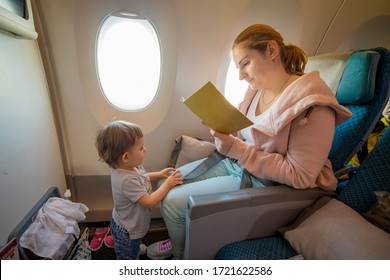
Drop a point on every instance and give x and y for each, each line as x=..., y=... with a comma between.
x=97, y=240
x=109, y=241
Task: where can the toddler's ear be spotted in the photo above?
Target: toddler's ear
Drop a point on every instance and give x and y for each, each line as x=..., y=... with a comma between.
x=125, y=157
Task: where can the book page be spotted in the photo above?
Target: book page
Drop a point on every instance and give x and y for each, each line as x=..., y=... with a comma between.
x=215, y=111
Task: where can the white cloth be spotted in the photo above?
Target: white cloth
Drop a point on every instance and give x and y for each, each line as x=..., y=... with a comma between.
x=54, y=228
x=331, y=67
x=246, y=133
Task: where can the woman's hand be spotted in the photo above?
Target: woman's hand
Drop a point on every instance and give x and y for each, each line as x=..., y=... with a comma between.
x=223, y=142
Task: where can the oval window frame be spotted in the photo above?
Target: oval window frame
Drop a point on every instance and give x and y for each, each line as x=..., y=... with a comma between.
x=111, y=98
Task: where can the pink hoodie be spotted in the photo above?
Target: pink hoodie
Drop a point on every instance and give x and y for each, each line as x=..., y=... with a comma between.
x=294, y=136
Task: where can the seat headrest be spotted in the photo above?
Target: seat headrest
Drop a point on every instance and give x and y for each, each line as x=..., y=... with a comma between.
x=351, y=75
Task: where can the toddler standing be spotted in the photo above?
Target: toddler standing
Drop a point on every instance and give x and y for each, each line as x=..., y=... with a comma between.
x=120, y=144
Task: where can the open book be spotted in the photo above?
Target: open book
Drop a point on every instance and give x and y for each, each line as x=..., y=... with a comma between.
x=215, y=111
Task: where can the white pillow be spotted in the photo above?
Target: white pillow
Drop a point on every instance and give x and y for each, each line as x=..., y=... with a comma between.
x=189, y=149
x=335, y=232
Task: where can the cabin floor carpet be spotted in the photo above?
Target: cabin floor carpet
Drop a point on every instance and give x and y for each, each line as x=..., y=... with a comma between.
x=157, y=232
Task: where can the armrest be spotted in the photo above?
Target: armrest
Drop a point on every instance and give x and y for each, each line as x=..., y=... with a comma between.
x=215, y=220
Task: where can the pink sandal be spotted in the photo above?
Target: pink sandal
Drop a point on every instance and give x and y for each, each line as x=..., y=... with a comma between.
x=97, y=240
x=109, y=241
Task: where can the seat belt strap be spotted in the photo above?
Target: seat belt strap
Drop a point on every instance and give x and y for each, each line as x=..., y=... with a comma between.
x=205, y=165
x=246, y=180
x=211, y=161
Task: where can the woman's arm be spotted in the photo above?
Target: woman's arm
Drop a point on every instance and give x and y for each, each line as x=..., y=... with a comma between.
x=307, y=152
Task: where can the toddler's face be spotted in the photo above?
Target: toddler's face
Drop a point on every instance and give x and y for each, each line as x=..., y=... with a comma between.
x=137, y=153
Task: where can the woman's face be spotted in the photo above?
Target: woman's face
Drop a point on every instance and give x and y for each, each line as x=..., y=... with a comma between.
x=254, y=67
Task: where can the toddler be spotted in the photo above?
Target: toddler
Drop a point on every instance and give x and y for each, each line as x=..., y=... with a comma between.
x=120, y=144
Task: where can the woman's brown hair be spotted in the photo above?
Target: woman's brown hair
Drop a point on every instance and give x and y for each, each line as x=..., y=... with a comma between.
x=257, y=37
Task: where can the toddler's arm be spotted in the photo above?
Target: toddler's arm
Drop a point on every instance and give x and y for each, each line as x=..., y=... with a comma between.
x=151, y=200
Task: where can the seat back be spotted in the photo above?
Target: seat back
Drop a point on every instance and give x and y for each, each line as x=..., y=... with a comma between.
x=373, y=175
x=364, y=90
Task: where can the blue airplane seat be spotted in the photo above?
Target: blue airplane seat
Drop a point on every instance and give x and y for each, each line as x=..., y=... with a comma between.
x=352, y=134
x=363, y=89
x=358, y=192
x=373, y=175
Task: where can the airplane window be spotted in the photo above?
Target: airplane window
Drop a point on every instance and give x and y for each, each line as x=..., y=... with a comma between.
x=234, y=88
x=128, y=61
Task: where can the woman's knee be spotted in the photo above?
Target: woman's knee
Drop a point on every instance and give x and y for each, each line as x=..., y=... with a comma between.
x=173, y=205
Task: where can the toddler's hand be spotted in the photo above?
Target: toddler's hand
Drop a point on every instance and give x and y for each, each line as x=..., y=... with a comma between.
x=174, y=179
x=167, y=171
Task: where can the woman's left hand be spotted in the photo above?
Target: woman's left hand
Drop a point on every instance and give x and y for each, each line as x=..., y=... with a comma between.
x=223, y=142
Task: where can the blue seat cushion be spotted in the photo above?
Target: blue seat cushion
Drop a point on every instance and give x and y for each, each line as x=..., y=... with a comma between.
x=270, y=248
x=357, y=83
x=350, y=74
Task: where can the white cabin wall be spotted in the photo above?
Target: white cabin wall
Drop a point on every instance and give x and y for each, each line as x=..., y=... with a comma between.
x=359, y=24
x=196, y=37
x=70, y=29
x=72, y=48
x=30, y=160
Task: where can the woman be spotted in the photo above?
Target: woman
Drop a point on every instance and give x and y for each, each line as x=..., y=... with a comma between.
x=294, y=116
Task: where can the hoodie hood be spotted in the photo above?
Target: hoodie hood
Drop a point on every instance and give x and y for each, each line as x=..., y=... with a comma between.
x=306, y=92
